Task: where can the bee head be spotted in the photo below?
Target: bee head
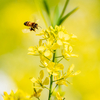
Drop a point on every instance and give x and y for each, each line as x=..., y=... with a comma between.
x=36, y=25
x=25, y=23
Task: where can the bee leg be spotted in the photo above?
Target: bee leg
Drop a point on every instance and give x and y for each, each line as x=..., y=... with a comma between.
x=32, y=29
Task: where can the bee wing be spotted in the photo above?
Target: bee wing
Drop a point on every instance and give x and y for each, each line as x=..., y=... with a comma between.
x=34, y=18
x=26, y=30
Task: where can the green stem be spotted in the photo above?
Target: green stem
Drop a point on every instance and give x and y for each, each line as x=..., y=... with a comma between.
x=51, y=77
x=51, y=81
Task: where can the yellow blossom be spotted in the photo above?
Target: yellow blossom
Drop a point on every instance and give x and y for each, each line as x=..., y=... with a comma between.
x=38, y=82
x=53, y=39
x=62, y=79
x=55, y=46
x=59, y=97
x=32, y=50
x=16, y=96
x=67, y=52
x=36, y=93
x=54, y=68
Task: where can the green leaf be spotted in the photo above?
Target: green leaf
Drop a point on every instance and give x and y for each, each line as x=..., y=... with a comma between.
x=46, y=7
x=56, y=15
x=66, y=3
x=67, y=15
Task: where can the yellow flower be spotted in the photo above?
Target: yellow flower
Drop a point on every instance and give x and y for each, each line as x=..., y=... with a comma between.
x=62, y=79
x=53, y=39
x=16, y=96
x=54, y=68
x=38, y=82
x=55, y=46
x=36, y=93
x=41, y=50
x=59, y=97
x=32, y=50
x=67, y=52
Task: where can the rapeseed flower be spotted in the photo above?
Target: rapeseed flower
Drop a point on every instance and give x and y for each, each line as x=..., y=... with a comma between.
x=38, y=83
x=19, y=95
x=59, y=97
x=54, y=38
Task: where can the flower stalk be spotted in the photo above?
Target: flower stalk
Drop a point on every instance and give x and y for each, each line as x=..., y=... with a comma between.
x=51, y=77
x=53, y=38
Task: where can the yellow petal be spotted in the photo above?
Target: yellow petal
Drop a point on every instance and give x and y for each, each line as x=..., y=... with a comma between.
x=46, y=81
x=73, y=36
x=51, y=65
x=33, y=80
x=66, y=47
x=76, y=73
x=5, y=93
x=70, y=69
x=70, y=49
x=61, y=35
x=31, y=53
x=66, y=37
x=55, y=73
x=50, y=41
x=59, y=66
x=48, y=53
x=58, y=95
x=41, y=48
x=41, y=74
x=74, y=55
x=40, y=42
x=64, y=83
x=55, y=46
x=31, y=48
x=39, y=91
x=59, y=42
x=12, y=92
x=49, y=71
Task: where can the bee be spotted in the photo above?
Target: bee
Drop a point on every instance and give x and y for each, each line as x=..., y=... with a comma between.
x=32, y=25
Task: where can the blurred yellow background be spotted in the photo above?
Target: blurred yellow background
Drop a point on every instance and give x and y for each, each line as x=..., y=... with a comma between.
x=16, y=67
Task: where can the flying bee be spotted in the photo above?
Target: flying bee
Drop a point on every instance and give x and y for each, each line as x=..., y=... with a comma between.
x=32, y=25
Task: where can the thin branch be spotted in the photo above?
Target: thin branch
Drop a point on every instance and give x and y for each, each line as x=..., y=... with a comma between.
x=60, y=60
x=58, y=56
x=58, y=79
x=54, y=88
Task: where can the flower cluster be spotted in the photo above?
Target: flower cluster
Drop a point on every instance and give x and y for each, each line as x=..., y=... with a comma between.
x=19, y=95
x=53, y=39
x=38, y=84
